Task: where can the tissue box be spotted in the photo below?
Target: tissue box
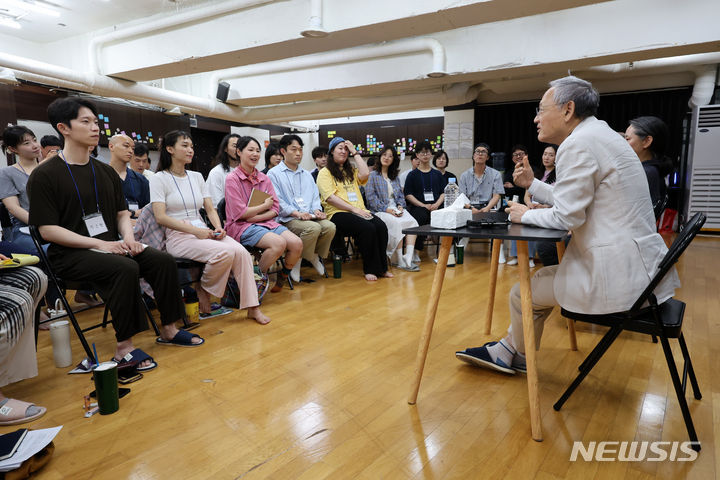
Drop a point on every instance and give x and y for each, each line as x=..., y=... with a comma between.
x=450, y=218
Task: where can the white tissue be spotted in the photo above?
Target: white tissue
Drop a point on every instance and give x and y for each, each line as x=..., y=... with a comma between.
x=452, y=217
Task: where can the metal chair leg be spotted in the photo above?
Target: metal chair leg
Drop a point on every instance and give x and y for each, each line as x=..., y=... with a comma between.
x=689, y=367
x=679, y=392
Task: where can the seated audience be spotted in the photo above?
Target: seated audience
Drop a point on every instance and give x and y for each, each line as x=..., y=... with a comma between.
x=21, y=290
x=648, y=138
x=78, y=205
x=441, y=161
x=141, y=161
x=339, y=184
x=319, y=155
x=481, y=184
x=423, y=189
x=50, y=145
x=177, y=196
x=518, y=153
x=136, y=187
x=386, y=200
x=300, y=209
x=255, y=226
x=273, y=157
x=225, y=162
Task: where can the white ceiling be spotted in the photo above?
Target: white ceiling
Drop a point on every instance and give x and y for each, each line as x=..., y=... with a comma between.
x=78, y=17
x=375, y=59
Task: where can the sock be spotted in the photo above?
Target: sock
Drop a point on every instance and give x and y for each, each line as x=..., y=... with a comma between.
x=502, y=351
x=318, y=264
x=295, y=272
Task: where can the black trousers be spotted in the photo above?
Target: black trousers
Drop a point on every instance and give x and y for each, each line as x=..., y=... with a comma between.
x=117, y=280
x=422, y=215
x=371, y=237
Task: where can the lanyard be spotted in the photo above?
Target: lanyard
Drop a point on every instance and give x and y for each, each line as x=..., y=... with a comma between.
x=97, y=200
x=181, y=195
x=422, y=179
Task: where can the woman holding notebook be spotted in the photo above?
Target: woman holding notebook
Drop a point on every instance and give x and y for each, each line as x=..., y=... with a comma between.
x=251, y=207
x=177, y=195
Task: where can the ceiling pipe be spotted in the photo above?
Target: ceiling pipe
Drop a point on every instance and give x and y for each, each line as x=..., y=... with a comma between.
x=107, y=86
x=315, y=24
x=657, y=63
x=188, y=16
x=339, y=57
x=704, y=86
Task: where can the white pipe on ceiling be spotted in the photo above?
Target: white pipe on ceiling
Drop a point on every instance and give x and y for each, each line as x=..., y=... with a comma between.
x=188, y=16
x=704, y=87
x=107, y=86
x=679, y=61
x=400, y=47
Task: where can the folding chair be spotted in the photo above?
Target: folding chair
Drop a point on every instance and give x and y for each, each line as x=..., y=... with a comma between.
x=664, y=321
x=62, y=285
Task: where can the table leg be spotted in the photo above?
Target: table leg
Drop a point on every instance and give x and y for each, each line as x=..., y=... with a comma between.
x=529, y=336
x=445, y=245
x=570, y=323
x=493, y=282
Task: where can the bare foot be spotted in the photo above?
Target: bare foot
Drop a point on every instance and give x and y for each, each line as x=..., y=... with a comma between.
x=388, y=275
x=258, y=316
x=86, y=299
x=203, y=300
x=125, y=347
x=370, y=277
x=169, y=331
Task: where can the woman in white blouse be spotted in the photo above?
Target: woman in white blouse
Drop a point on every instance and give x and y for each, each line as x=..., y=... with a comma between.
x=226, y=161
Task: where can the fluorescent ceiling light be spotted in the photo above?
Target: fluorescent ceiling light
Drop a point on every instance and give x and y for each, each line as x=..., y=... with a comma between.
x=9, y=22
x=35, y=7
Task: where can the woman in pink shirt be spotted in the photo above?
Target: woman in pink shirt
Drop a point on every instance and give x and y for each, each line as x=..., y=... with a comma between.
x=255, y=226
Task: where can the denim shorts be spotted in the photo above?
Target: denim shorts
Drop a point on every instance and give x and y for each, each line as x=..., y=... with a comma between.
x=252, y=235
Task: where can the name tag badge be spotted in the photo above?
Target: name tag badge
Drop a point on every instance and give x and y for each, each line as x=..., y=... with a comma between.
x=429, y=197
x=95, y=224
x=352, y=196
x=133, y=207
x=301, y=203
x=198, y=223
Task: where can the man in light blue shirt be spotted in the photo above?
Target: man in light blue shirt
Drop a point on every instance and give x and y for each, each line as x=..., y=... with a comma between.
x=300, y=209
x=481, y=184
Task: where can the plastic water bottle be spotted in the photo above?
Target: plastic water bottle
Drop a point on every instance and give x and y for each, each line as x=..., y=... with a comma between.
x=452, y=191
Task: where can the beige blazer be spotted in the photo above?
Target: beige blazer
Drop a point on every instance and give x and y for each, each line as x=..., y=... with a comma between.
x=602, y=195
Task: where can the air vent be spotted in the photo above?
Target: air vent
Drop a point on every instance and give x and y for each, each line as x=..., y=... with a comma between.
x=709, y=117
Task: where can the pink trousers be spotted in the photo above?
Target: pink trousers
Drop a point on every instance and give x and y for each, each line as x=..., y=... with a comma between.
x=220, y=258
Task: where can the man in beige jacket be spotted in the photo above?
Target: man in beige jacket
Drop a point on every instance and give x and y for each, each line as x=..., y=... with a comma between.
x=601, y=195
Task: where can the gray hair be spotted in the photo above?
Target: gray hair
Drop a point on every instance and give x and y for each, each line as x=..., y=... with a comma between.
x=580, y=91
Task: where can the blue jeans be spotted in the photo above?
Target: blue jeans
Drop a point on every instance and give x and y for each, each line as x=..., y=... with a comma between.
x=531, y=249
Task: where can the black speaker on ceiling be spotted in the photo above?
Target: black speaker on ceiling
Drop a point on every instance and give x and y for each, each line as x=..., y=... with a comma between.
x=222, y=91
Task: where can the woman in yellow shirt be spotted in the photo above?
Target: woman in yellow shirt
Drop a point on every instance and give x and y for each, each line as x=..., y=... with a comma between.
x=339, y=185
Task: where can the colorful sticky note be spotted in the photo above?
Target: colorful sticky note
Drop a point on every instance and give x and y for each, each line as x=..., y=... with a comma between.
x=107, y=119
x=107, y=125
x=149, y=134
x=151, y=140
x=107, y=132
x=100, y=116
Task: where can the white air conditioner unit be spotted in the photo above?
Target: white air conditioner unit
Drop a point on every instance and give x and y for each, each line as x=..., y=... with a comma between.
x=702, y=180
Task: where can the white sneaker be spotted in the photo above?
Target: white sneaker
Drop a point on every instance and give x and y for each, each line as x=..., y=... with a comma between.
x=415, y=257
x=295, y=272
x=502, y=255
x=512, y=261
x=531, y=263
x=450, y=262
x=317, y=263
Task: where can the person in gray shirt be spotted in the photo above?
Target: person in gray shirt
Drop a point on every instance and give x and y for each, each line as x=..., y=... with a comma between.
x=481, y=184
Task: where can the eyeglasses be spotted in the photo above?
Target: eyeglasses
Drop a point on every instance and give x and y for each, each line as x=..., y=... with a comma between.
x=518, y=155
x=542, y=109
x=480, y=152
x=424, y=153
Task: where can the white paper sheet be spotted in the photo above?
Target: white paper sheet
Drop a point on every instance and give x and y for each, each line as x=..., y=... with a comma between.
x=34, y=441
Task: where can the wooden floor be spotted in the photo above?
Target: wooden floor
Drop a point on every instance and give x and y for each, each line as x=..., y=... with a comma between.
x=321, y=391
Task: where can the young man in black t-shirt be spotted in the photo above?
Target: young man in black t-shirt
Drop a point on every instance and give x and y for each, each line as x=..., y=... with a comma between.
x=78, y=204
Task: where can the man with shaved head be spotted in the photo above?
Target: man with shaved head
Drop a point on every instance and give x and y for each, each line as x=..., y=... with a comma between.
x=136, y=187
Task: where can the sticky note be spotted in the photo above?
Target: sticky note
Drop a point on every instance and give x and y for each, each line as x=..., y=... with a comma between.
x=100, y=116
x=107, y=125
x=151, y=140
x=107, y=132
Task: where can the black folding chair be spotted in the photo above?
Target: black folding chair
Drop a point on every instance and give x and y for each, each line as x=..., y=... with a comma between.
x=63, y=285
x=646, y=316
x=254, y=251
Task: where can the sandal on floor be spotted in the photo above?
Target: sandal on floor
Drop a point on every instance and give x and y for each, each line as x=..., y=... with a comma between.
x=14, y=412
x=135, y=358
x=182, y=338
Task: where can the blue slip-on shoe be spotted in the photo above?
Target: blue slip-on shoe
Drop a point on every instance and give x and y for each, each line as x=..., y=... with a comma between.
x=519, y=365
x=480, y=357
